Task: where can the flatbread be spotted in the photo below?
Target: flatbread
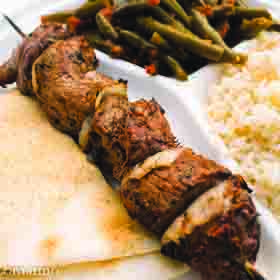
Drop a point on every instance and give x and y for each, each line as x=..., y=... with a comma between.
x=55, y=206
x=152, y=266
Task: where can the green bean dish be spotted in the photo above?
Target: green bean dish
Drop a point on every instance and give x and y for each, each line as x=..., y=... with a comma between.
x=173, y=38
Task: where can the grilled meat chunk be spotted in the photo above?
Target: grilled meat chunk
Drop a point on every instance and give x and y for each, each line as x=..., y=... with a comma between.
x=124, y=134
x=66, y=84
x=148, y=131
x=217, y=234
x=108, y=132
x=19, y=66
x=161, y=188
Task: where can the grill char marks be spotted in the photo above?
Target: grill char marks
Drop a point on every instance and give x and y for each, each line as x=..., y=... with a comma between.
x=219, y=247
x=160, y=196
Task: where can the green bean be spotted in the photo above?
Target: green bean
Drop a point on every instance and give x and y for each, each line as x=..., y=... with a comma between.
x=86, y=10
x=106, y=46
x=180, y=26
x=57, y=17
x=105, y=27
x=165, y=17
x=204, y=29
x=176, y=8
x=188, y=41
x=132, y=8
x=250, y=13
x=250, y=28
x=234, y=57
x=164, y=45
x=176, y=68
x=156, y=11
x=90, y=8
x=159, y=41
x=162, y=15
x=135, y=40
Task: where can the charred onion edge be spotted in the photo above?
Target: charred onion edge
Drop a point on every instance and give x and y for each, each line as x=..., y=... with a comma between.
x=216, y=201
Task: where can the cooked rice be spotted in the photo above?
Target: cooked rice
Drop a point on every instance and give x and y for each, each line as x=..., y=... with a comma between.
x=244, y=110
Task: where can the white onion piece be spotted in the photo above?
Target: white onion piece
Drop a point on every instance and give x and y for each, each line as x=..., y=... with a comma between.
x=116, y=90
x=211, y=204
x=161, y=159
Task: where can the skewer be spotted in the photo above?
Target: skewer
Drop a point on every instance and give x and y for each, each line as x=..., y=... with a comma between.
x=16, y=27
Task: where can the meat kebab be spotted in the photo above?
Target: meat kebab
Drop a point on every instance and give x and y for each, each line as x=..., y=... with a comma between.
x=18, y=68
x=202, y=212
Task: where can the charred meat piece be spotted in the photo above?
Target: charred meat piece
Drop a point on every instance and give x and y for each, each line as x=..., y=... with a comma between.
x=19, y=67
x=158, y=190
x=123, y=134
x=66, y=84
x=148, y=131
x=218, y=235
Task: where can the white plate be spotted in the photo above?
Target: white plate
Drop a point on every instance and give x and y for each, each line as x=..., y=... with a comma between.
x=183, y=101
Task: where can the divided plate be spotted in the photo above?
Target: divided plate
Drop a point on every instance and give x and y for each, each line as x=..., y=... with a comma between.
x=184, y=103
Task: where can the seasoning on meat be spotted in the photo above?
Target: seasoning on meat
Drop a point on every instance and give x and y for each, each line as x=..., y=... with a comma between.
x=158, y=197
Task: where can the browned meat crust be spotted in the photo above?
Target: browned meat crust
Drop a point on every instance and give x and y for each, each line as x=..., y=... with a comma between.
x=159, y=197
x=148, y=131
x=108, y=138
x=127, y=133
x=65, y=85
x=19, y=67
x=220, y=248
